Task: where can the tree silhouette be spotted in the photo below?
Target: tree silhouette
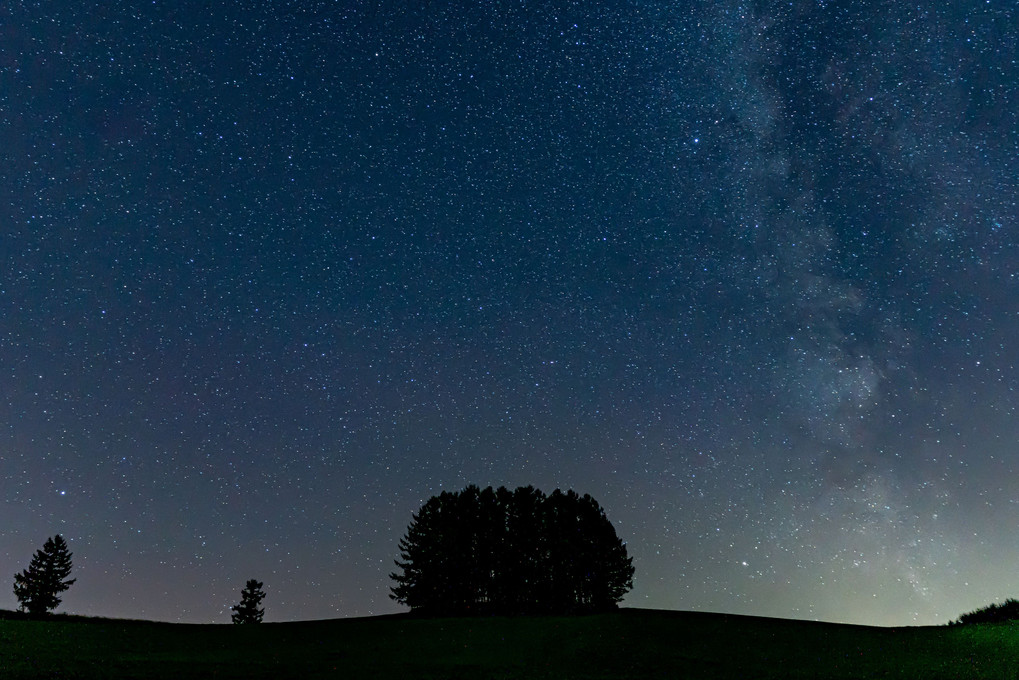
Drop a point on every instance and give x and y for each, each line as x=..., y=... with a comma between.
x=496, y=551
x=524, y=560
x=992, y=613
x=248, y=611
x=38, y=586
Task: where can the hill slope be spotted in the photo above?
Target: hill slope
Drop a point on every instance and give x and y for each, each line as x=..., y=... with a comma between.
x=631, y=643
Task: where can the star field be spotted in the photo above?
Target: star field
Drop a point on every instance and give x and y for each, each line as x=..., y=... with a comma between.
x=745, y=272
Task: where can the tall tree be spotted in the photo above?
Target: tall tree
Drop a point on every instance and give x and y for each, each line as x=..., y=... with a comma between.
x=248, y=610
x=524, y=562
x=424, y=578
x=608, y=571
x=37, y=588
x=477, y=551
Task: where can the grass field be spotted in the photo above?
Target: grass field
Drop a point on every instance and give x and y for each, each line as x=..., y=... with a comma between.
x=630, y=643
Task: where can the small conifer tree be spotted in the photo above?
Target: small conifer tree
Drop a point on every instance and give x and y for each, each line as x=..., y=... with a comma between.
x=248, y=610
x=38, y=586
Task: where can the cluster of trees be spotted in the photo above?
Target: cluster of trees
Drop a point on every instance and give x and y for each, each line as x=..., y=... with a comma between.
x=993, y=613
x=505, y=552
x=38, y=587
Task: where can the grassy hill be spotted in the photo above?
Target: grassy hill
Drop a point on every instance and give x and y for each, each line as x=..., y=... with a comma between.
x=630, y=643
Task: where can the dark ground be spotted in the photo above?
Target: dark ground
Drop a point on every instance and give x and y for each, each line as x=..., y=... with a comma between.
x=630, y=643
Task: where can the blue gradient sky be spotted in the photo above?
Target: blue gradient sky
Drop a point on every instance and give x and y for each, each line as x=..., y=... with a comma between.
x=746, y=273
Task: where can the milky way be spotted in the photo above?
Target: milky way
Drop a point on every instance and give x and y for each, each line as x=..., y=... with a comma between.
x=272, y=276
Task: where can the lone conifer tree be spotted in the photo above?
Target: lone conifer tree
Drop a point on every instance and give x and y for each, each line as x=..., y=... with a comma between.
x=248, y=610
x=38, y=586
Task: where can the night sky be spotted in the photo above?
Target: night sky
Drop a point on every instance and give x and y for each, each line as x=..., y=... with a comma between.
x=272, y=274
